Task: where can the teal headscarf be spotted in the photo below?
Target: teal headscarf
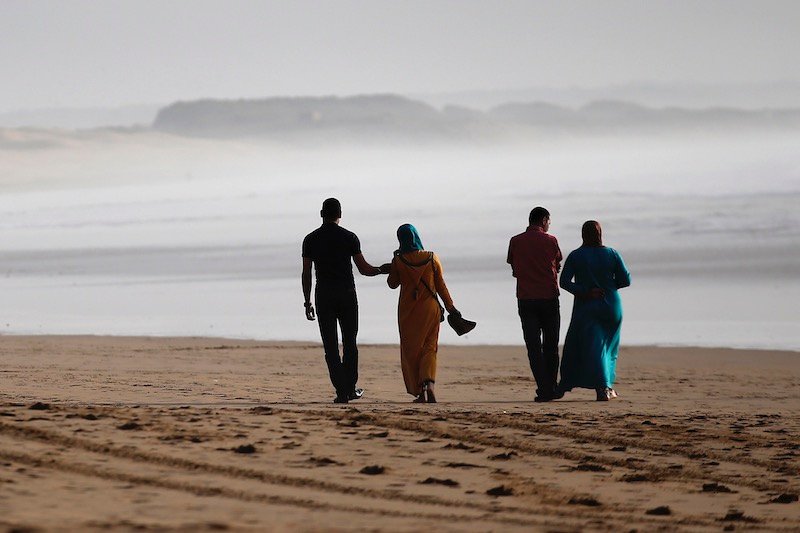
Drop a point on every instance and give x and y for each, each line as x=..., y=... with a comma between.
x=409, y=239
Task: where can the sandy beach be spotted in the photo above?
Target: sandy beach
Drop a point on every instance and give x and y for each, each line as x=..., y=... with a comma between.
x=186, y=434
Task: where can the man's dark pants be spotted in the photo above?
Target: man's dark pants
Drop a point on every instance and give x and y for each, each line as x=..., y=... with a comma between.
x=541, y=320
x=339, y=307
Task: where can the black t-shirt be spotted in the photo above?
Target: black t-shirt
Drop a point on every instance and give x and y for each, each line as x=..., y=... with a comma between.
x=331, y=247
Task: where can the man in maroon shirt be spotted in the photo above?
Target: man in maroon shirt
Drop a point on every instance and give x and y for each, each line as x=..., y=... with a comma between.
x=535, y=260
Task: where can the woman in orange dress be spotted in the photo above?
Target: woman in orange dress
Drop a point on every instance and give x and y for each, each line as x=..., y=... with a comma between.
x=418, y=273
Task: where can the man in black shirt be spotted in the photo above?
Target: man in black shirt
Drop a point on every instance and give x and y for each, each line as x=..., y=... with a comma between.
x=330, y=248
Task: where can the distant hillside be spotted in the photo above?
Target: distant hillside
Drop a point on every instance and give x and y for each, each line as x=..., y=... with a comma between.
x=390, y=117
x=621, y=116
x=382, y=116
x=753, y=96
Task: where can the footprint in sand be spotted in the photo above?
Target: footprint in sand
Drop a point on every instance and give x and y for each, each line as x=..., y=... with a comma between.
x=785, y=498
x=590, y=467
x=716, y=487
x=245, y=448
x=739, y=516
x=501, y=490
x=322, y=461
x=589, y=502
x=437, y=481
x=462, y=465
x=503, y=456
x=640, y=478
x=461, y=446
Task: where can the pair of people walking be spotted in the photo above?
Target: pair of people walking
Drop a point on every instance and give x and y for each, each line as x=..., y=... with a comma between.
x=416, y=271
x=594, y=274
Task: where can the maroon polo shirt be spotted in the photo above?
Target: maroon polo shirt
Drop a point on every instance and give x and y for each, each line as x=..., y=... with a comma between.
x=535, y=260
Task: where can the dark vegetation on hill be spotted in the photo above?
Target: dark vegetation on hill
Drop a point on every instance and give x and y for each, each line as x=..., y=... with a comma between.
x=387, y=117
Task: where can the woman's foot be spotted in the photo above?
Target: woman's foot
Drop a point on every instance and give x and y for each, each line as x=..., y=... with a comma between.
x=612, y=394
x=427, y=390
x=603, y=395
x=420, y=398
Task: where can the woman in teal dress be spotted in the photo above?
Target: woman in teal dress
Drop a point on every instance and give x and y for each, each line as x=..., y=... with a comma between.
x=593, y=274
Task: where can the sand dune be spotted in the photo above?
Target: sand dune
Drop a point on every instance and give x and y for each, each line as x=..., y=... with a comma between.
x=100, y=433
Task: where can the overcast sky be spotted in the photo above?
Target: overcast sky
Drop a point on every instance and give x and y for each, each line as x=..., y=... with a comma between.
x=81, y=53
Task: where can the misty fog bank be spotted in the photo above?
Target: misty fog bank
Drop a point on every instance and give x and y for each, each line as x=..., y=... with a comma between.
x=135, y=231
x=80, y=118
x=687, y=163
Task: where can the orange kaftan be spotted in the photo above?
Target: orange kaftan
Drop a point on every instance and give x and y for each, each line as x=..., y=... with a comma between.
x=418, y=315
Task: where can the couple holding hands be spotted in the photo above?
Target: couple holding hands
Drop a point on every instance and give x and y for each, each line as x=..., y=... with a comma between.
x=416, y=271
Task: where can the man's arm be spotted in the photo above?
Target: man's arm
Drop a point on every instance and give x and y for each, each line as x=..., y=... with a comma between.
x=306, y=280
x=368, y=270
x=510, y=260
x=559, y=257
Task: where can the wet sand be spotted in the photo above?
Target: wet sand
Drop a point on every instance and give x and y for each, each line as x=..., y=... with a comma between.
x=187, y=434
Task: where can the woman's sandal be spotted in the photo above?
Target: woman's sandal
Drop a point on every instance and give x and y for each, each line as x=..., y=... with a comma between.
x=419, y=399
x=427, y=390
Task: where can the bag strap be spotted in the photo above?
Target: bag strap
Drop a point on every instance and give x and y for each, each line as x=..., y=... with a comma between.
x=430, y=258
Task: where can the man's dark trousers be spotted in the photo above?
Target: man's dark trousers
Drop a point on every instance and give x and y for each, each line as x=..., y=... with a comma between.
x=541, y=320
x=339, y=307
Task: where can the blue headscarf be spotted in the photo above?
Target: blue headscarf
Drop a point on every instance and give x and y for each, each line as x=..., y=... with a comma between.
x=409, y=239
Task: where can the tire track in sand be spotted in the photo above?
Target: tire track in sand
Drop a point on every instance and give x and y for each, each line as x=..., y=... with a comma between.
x=440, y=429
x=493, y=512
x=205, y=490
x=130, y=453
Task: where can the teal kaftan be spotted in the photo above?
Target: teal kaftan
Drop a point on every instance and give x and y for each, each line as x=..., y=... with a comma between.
x=592, y=342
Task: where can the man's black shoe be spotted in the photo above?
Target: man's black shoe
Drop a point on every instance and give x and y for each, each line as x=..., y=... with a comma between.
x=340, y=399
x=356, y=394
x=556, y=394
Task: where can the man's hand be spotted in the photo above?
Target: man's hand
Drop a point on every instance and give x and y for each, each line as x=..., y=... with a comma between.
x=310, y=315
x=366, y=269
x=385, y=268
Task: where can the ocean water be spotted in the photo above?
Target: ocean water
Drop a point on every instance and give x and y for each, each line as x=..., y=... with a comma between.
x=144, y=235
